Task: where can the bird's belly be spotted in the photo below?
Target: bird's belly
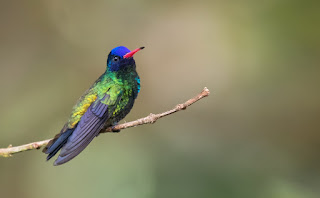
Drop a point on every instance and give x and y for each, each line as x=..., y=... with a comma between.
x=120, y=114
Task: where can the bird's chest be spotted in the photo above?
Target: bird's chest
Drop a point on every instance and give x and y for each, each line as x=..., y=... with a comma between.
x=130, y=85
x=121, y=108
x=128, y=95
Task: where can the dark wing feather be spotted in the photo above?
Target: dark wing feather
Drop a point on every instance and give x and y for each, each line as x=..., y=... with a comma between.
x=58, y=143
x=89, y=126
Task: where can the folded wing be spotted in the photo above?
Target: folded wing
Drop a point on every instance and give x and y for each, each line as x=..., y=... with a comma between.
x=88, y=127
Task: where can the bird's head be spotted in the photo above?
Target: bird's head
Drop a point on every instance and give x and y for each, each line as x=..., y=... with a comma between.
x=121, y=57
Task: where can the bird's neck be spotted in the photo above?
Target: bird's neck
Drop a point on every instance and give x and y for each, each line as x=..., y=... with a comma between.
x=125, y=75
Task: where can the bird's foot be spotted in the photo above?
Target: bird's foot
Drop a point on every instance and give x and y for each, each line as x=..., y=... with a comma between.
x=115, y=130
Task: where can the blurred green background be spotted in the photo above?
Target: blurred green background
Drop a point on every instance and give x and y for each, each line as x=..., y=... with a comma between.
x=257, y=135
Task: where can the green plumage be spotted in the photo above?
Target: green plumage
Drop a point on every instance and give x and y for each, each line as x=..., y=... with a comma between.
x=105, y=103
x=122, y=87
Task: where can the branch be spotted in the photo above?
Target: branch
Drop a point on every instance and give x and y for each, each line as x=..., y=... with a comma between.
x=152, y=118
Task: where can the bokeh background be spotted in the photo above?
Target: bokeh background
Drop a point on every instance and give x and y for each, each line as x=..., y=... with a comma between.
x=257, y=135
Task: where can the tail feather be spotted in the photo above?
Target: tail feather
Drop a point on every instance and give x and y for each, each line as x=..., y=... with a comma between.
x=57, y=143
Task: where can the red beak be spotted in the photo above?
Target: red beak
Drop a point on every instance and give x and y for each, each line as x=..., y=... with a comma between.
x=130, y=54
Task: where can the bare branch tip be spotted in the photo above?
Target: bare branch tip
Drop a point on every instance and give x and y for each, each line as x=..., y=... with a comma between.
x=206, y=91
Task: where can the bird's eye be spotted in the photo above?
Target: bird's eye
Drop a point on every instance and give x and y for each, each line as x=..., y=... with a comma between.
x=116, y=58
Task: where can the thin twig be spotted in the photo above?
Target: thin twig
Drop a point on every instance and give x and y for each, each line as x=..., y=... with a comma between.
x=152, y=118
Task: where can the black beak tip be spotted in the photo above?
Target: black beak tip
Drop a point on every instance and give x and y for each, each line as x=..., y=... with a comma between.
x=141, y=48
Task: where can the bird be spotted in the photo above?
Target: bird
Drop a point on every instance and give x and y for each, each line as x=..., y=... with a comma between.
x=104, y=104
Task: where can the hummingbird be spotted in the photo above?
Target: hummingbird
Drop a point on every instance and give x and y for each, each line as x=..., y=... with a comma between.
x=104, y=104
